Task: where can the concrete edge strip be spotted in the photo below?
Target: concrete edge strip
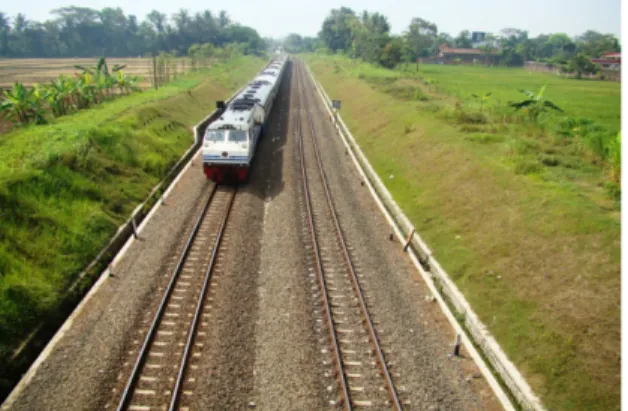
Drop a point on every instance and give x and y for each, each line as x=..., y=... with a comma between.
x=32, y=370
x=490, y=348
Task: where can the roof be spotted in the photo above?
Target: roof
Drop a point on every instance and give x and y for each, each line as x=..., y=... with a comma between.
x=612, y=54
x=606, y=61
x=239, y=111
x=446, y=50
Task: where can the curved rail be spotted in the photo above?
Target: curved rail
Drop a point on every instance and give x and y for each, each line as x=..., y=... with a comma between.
x=127, y=394
x=392, y=393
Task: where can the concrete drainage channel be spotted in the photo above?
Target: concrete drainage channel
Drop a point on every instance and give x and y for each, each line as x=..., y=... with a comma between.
x=125, y=236
x=472, y=331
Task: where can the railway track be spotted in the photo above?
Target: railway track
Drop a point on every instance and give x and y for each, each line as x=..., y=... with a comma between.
x=360, y=367
x=158, y=378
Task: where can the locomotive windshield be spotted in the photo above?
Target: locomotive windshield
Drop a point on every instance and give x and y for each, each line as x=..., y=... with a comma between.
x=215, y=135
x=237, y=136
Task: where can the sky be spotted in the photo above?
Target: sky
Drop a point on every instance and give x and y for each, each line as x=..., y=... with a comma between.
x=277, y=18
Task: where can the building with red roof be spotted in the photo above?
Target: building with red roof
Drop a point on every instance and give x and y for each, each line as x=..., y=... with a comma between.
x=609, y=61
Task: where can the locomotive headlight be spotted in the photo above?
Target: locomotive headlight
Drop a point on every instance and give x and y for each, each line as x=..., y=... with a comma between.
x=244, y=145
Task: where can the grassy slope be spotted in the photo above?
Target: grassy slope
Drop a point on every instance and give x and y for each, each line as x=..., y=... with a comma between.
x=537, y=256
x=67, y=186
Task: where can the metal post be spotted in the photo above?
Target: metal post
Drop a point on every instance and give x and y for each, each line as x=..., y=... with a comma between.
x=457, y=346
x=155, y=70
x=134, y=227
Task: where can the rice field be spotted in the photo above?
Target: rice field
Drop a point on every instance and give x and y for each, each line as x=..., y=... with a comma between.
x=33, y=70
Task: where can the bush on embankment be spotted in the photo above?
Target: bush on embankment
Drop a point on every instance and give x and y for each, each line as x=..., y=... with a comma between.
x=66, y=186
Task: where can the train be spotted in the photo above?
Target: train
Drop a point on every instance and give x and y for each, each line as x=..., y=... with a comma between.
x=230, y=142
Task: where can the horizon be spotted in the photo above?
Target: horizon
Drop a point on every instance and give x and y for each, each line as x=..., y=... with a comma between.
x=489, y=16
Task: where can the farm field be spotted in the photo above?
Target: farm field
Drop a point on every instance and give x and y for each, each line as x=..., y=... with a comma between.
x=66, y=186
x=598, y=100
x=30, y=71
x=518, y=212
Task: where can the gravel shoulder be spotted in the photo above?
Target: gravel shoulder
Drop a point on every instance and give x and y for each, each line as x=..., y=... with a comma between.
x=416, y=337
x=287, y=369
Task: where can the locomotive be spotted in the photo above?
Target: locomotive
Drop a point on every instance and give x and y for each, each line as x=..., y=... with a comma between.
x=229, y=142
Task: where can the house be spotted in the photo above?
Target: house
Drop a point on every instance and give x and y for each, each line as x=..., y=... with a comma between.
x=609, y=61
x=447, y=55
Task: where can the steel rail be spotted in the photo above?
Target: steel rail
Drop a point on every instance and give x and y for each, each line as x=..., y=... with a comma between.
x=199, y=307
x=319, y=268
x=132, y=381
x=353, y=275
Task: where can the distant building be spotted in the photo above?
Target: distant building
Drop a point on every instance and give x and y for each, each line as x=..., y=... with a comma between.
x=449, y=55
x=478, y=39
x=609, y=61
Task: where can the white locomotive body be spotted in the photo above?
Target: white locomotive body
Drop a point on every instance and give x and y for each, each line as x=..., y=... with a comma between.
x=230, y=142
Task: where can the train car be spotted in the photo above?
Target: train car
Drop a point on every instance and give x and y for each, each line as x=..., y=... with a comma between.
x=230, y=142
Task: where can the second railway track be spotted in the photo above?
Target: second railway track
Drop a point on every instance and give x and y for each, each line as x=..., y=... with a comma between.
x=361, y=369
x=158, y=378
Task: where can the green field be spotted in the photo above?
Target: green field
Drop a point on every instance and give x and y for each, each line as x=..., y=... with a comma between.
x=522, y=214
x=597, y=100
x=65, y=187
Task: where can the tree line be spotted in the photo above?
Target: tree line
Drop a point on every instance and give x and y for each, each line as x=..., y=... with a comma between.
x=86, y=32
x=367, y=36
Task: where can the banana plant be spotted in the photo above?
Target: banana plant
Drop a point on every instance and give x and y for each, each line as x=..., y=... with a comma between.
x=535, y=104
x=84, y=90
x=482, y=99
x=58, y=95
x=37, y=109
x=21, y=104
x=100, y=68
x=105, y=86
x=127, y=83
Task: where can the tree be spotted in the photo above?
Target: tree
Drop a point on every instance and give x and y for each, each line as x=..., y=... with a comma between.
x=594, y=44
x=392, y=52
x=293, y=43
x=336, y=32
x=421, y=37
x=85, y=32
x=4, y=34
x=223, y=20
x=463, y=40
x=582, y=64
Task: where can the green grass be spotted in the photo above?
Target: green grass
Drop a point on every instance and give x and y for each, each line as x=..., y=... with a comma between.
x=65, y=187
x=516, y=214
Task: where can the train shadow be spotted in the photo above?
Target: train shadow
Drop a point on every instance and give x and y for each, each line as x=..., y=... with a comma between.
x=266, y=178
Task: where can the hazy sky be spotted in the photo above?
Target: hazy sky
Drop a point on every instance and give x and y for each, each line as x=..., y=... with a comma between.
x=276, y=18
